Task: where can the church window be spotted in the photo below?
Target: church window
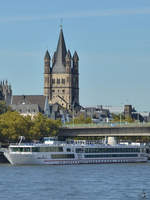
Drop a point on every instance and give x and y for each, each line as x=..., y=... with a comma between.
x=58, y=81
x=58, y=90
x=63, y=91
x=53, y=80
x=63, y=81
x=53, y=90
x=68, y=79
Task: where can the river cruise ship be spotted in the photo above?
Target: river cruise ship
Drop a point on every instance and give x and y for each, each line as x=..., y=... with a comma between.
x=55, y=152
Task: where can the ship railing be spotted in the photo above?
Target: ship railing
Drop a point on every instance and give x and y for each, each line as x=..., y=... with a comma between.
x=24, y=144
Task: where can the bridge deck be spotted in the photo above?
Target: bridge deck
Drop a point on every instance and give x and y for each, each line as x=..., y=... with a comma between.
x=134, y=129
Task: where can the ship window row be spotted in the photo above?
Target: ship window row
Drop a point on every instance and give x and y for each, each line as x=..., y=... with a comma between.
x=109, y=155
x=20, y=149
x=47, y=149
x=62, y=156
x=37, y=149
x=106, y=150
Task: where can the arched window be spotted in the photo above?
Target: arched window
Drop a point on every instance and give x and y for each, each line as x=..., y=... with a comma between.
x=58, y=81
x=63, y=81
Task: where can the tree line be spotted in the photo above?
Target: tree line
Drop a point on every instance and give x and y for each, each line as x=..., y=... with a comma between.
x=13, y=125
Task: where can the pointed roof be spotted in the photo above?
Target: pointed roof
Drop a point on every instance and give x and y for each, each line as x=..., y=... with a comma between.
x=68, y=55
x=59, y=66
x=75, y=56
x=47, y=56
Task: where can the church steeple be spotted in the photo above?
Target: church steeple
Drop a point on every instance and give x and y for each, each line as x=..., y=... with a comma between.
x=61, y=79
x=59, y=66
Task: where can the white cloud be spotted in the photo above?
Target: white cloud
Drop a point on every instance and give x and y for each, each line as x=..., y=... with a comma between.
x=78, y=14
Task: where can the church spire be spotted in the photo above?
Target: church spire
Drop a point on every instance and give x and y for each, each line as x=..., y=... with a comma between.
x=59, y=66
x=61, y=48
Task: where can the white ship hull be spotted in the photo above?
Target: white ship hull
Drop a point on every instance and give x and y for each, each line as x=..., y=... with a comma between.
x=31, y=159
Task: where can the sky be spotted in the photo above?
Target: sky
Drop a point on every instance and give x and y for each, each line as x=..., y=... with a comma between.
x=111, y=37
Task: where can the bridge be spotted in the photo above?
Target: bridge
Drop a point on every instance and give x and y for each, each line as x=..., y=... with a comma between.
x=133, y=129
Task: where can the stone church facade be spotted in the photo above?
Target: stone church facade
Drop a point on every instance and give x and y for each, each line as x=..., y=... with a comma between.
x=5, y=92
x=61, y=76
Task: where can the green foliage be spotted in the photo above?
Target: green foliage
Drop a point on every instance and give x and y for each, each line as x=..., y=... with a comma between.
x=120, y=117
x=129, y=119
x=143, y=139
x=13, y=125
x=117, y=118
x=81, y=119
x=3, y=107
x=43, y=127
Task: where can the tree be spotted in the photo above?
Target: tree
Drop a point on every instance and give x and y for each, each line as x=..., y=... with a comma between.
x=3, y=107
x=13, y=125
x=121, y=117
x=81, y=119
x=44, y=127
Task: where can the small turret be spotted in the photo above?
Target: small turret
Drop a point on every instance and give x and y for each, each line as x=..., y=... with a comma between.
x=75, y=62
x=54, y=59
x=47, y=56
x=68, y=62
x=75, y=57
x=47, y=72
x=47, y=59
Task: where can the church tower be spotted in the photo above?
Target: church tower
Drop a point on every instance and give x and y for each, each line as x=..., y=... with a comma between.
x=5, y=92
x=61, y=80
x=47, y=74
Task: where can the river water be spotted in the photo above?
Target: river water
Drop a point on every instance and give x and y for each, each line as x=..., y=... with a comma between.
x=75, y=182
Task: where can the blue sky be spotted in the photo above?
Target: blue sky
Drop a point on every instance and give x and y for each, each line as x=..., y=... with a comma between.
x=112, y=38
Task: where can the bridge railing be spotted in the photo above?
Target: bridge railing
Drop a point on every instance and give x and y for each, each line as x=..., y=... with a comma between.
x=106, y=125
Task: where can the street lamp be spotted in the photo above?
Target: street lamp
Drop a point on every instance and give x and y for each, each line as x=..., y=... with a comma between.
x=73, y=114
x=138, y=117
x=121, y=113
x=120, y=118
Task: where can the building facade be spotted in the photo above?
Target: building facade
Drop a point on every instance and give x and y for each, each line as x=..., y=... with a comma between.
x=28, y=104
x=61, y=76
